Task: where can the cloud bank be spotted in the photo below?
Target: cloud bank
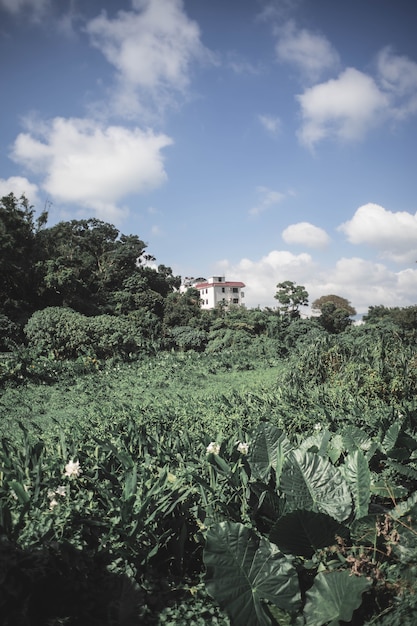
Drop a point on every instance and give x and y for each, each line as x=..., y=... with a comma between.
x=82, y=162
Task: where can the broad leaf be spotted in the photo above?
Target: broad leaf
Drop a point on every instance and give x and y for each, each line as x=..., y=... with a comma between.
x=406, y=507
x=302, y=533
x=358, y=476
x=334, y=597
x=391, y=436
x=336, y=447
x=267, y=451
x=354, y=437
x=313, y=483
x=244, y=570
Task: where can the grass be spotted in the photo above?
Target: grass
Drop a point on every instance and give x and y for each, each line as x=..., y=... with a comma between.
x=193, y=391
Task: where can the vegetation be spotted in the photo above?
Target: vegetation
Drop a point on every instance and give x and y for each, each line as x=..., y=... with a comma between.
x=291, y=297
x=161, y=464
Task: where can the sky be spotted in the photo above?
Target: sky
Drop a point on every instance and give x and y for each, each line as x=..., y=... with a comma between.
x=262, y=140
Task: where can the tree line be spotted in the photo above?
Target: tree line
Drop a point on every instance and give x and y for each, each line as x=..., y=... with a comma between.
x=82, y=287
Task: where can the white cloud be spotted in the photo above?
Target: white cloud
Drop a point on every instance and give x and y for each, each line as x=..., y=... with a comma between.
x=262, y=276
x=306, y=234
x=398, y=77
x=267, y=198
x=312, y=54
x=364, y=283
x=344, y=108
x=152, y=48
x=394, y=235
x=270, y=123
x=95, y=167
x=19, y=186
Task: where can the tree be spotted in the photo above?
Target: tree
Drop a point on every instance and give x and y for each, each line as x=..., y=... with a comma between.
x=291, y=297
x=338, y=301
x=82, y=262
x=335, y=313
x=18, y=233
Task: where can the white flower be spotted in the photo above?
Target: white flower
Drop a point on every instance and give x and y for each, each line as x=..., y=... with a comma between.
x=317, y=426
x=53, y=503
x=51, y=494
x=72, y=468
x=213, y=448
x=242, y=447
x=61, y=491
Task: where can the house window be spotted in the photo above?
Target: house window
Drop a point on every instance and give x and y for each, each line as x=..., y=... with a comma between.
x=235, y=300
x=235, y=290
x=206, y=301
x=222, y=289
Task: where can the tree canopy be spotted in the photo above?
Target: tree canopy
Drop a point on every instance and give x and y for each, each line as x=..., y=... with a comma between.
x=86, y=265
x=291, y=297
x=335, y=312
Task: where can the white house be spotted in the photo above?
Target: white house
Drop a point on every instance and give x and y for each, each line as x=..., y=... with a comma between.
x=217, y=290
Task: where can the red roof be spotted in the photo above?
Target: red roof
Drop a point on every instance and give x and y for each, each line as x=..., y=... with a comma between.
x=221, y=284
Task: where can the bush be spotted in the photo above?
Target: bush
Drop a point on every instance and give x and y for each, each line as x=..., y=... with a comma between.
x=66, y=334
x=59, y=331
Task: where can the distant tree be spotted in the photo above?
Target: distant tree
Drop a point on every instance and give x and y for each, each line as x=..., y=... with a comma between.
x=404, y=317
x=291, y=297
x=335, y=313
x=338, y=301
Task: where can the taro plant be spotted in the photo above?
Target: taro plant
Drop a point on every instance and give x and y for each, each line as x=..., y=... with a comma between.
x=108, y=525
x=327, y=542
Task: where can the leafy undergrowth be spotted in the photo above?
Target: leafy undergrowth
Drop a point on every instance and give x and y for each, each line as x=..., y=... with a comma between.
x=152, y=527
x=193, y=488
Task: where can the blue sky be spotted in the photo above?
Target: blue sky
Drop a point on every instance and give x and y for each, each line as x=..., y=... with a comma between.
x=262, y=140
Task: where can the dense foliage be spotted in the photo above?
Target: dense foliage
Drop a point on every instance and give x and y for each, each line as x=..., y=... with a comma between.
x=161, y=464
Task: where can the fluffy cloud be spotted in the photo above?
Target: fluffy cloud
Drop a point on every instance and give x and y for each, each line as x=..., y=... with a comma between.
x=394, y=235
x=19, y=186
x=267, y=199
x=312, y=54
x=364, y=283
x=152, y=48
x=343, y=108
x=95, y=167
x=346, y=107
x=262, y=276
x=305, y=234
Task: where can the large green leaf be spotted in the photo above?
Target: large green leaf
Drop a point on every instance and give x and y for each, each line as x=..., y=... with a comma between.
x=333, y=598
x=245, y=569
x=358, y=476
x=354, y=437
x=391, y=436
x=311, y=482
x=267, y=451
x=302, y=533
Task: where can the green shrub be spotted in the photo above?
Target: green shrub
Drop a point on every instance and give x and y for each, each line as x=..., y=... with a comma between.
x=58, y=331
x=66, y=334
